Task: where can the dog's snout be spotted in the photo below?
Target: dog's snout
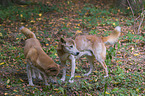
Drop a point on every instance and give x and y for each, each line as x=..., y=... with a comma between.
x=77, y=53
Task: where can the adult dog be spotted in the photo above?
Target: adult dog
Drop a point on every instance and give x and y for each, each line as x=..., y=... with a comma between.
x=89, y=45
x=37, y=60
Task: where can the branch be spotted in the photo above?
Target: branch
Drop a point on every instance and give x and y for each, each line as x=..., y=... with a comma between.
x=130, y=8
x=132, y=13
x=142, y=14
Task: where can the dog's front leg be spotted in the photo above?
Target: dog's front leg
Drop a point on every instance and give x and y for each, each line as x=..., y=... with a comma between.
x=72, y=60
x=63, y=63
x=29, y=74
x=87, y=53
x=105, y=67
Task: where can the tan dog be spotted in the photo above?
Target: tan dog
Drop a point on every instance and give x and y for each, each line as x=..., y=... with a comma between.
x=37, y=60
x=89, y=45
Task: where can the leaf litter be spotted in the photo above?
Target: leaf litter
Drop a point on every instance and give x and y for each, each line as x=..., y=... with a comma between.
x=126, y=67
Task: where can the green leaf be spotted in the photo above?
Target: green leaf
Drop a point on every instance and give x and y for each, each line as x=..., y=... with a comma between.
x=115, y=89
x=61, y=89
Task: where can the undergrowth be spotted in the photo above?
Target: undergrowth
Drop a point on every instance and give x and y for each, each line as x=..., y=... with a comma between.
x=126, y=72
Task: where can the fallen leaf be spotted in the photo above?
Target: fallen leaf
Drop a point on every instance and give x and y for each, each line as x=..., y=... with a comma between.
x=76, y=67
x=15, y=90
x=137, y=90
x=5, y=93
x=78, y=24
x=2, y=63
x=77, y=76
x=56, y=89
x=21, y=15
x=107, y=93
x=114, y=24
x=67, y=75
x=21, y=80
x=40, y=14
x=8, y=81
x=8, y=86
x=32, y=21
x=55, y=54
x=78, y=31
x=95, y=71
x=1, y=34
x=135, y=54
x=46, y=44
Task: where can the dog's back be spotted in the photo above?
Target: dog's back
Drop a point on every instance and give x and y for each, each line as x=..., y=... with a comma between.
x=29, y=44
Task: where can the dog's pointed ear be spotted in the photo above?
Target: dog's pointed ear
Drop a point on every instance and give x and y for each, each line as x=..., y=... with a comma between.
x=62, y=40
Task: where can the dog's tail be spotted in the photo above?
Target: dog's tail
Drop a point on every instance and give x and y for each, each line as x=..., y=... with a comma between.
x=113, y=37
x=27, y=32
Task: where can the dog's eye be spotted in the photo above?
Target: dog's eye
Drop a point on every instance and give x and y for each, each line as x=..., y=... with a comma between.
x=71, y=46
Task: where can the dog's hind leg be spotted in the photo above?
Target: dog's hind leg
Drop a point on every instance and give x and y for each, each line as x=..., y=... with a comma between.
x=29, y=74
x=73, y=65
x=33, y=72
x=102, y=61
x=39, y=76
x=36, y=73
x=91, y=62
x=63, y=64
x=105, y=67
x=45, y=78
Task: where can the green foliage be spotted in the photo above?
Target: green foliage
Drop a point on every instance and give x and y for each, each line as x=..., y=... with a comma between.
x=136, y=7
x=24, y=13
x=126, y=76
x=93, y=16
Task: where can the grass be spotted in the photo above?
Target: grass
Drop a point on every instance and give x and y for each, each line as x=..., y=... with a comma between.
x=24, y=12
x=124, y=59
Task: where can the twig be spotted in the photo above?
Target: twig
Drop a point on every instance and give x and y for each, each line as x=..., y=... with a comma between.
x=137, y=17
x=133, y=15
x=130, y=8
x=142, y=14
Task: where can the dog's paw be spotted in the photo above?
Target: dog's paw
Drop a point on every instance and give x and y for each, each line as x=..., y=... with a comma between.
x=89, y=53
x=87, y=74
x=31, y=84
x=53, y=81
x=71, y=81
x=40, y=77
x=46, y=84
x=62, y=79
x=21, y=28
x=106, y=76
x=34, y=76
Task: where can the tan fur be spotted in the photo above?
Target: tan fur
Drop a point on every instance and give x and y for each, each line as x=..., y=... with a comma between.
x=91, y=46
x=27, y=32
x=113, y=37
x=37, y=58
